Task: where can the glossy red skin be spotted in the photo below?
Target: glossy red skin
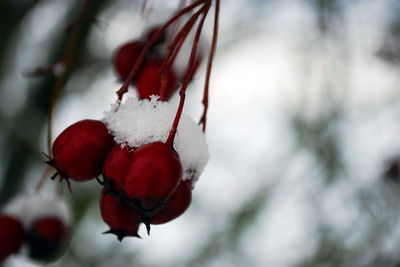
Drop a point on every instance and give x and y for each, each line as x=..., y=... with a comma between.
x=50, y=228
x=125, y=58
x=11, y=236
x=115, y=166
x=80, y=150
x=119, y=215
x=149, y=81
x=176, y=205
x=153, y=173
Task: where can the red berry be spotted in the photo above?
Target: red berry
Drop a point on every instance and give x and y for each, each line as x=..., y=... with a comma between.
x=120, y=216
x=80, y=150
x=176, y=205
x=153, y=173
x=46, y=238
x=115, y=166
x=11, y=236
x=149, y=81
x=125, y=58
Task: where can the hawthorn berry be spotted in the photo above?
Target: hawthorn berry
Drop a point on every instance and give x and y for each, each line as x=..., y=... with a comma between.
x=149, y=81
x=154, y=171
x=115, y=166
x=176, y=205
x=80, y=150
x=11, y=236
x=125, y=58
x=120, y=216
x=45, y=238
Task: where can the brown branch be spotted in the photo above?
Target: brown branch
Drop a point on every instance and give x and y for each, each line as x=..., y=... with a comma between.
x=203, y=119
x=187, y=77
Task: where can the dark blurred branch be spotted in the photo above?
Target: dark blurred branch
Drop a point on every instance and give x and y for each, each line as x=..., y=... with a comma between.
x=38, y=99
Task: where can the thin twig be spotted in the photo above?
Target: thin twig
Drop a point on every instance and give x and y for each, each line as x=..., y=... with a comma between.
x=203, y=119
x=188, y=76
x=174, y=48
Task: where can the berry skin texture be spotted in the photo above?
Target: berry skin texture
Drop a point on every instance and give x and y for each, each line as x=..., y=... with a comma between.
x=115, y=166
x=80, y=150
x=11, y=236
x=176, y=205
x=45, y=238
x=120, y=216
x=125, y=58
x=149, y=81
x=153, y=173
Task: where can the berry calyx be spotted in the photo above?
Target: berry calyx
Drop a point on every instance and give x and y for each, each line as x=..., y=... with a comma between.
x=149, y=81
x=120, y=216
x=80, y=150
x=125, y=58
x=45, y=238
x=11, y=236
x=154, y=171
x=176, y=205
x=115, y=166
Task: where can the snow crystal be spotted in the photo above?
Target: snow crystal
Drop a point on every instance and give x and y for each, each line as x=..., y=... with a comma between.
x=138, y=122
x=29, y=208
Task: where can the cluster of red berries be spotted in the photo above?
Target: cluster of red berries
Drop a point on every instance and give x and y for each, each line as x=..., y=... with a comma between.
x=148, y=79
x=43, y=231
x=141, y=184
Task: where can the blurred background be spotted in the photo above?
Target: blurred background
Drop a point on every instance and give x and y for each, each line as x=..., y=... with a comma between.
x=303, y=130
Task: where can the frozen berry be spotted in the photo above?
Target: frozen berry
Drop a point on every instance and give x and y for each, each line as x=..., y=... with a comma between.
x=149, y=81
x=125, y=58
x=11, y=236
x=46, y=238
x=153, y=173
x=115, y=166
x=80, y=150
x=176, y=205
x=120, y=216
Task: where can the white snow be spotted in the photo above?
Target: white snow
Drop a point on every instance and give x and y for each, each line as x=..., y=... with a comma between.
x=138, y=122
x=31, y=207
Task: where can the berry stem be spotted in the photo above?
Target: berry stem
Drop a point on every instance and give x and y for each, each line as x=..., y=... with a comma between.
x=203, y=119
x=174, y=48
x=187, y=77
x=150, y=43
x=42, y=179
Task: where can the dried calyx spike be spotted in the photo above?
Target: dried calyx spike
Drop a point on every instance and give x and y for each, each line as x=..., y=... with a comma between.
x=119, y=215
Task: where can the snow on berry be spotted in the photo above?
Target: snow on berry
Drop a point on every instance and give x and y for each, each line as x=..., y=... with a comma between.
x=139, y=122
x=11, y=236
x=29, y=208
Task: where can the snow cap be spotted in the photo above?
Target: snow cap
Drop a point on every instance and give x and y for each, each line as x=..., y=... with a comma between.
x=139, y=122
x=29, y=208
